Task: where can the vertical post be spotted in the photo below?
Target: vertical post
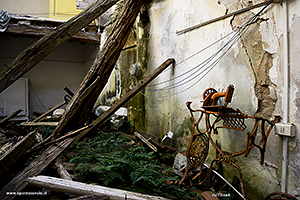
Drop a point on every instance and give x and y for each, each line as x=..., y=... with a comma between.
x=286, y=95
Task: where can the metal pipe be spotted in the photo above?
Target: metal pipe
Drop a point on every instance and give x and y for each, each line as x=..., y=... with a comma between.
x=224, y=17
x=285, y=95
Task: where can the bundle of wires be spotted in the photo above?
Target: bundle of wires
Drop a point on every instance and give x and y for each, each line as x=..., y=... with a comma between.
x=193, y=76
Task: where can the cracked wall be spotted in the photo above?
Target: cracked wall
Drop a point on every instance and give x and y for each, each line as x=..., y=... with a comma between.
x=254, y=65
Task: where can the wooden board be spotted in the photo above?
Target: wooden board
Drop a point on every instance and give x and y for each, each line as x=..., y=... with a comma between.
x=49, y=111
x=35, y=168
x=39, y=124
x=78, y=188
x=5, y=120
x=11, y=156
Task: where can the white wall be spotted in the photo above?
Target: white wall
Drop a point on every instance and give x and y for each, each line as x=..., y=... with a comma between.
x=64, y=67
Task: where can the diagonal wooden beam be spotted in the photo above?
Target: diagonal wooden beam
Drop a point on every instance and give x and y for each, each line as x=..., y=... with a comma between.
x=52, y=152
x=104, y=116
x=43, y=47
x=5, y=120
x=80, y=107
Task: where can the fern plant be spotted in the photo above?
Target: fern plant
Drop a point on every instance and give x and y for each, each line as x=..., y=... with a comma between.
x=107, y=160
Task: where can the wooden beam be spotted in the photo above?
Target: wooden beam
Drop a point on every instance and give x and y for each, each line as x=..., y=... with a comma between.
x=146, y=141
x=5, y=120
x=34, y=168
x=41, y=31
x=78, y=188
x=11, y=156
x=39, y=124
x=104, y=116
x=52, y=152
x=50, y=111
x=91, y=197
x=31, y=56
x=64, y=174
x=80, y=107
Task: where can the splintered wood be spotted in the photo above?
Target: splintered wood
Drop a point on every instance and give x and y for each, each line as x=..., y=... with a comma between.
x=14, y=151
x=31, y=56
x=77, y=188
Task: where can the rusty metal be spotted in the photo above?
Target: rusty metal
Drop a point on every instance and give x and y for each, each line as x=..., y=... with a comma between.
x=280, y=195
x=230, y=118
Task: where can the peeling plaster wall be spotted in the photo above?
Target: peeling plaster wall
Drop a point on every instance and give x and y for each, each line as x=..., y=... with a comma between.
x=254, y=65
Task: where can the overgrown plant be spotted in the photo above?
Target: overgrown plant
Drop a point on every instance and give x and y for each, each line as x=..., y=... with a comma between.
x=107, y=160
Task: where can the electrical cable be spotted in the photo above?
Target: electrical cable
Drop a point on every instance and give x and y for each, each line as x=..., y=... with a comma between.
x=32, y=89
x=177, y=64
x=204, y=62
x=235, y=38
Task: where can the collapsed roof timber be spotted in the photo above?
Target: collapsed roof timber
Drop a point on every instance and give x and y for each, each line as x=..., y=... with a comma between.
x=243, y=47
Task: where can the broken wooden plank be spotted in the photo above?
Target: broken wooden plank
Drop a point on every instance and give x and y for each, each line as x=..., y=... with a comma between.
x=161, y=147
x=11, y=156
x=69, y=91
x=146, y=141
x=52, y=152
x=104, y=116
x=7, y=144
x=80, y=107
x=64, y=174
x=31, y=56
x=38, y=146
x=49, y=111
x=5, y=120
x=41, y=31
x=39, y=124
x=209, y=195
x=34, y=168
x=91, y=197
x=82, y=103
x=78, y=188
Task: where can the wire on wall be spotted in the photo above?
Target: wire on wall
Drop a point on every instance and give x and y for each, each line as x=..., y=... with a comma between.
x=207, y=65
x=36, y=98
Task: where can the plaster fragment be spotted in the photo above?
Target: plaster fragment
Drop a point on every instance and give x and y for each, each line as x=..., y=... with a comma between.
x=268, y=36
x=273, y=72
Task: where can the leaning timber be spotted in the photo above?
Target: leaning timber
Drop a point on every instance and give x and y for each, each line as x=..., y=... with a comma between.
x=64, y=174
x=81, y=105
x=50, y=111
x=104, y=116
x=6, y=119
x=52, y=152
x=43, y=47
x=34, y=168
x=13, y=154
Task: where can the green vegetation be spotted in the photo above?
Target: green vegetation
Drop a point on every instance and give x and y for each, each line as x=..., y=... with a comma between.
x=108, y=160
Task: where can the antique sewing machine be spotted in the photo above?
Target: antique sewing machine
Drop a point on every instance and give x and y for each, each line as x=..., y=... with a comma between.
x=229, y=118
